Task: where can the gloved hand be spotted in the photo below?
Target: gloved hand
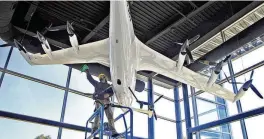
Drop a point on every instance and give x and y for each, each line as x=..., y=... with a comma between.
x=84, y=68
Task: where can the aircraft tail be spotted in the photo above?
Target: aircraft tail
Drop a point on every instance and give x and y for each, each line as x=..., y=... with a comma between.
x=120, y=17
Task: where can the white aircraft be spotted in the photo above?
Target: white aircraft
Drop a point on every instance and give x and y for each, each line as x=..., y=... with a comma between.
x=125, y=54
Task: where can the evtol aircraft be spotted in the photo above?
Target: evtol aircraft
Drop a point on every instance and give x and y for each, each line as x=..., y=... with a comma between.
x=125, y=54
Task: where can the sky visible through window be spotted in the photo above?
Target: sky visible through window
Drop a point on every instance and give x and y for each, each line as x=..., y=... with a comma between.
x=26, y=97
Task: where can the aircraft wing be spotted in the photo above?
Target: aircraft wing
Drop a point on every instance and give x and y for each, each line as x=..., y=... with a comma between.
x=153, y=61
x=95, y=52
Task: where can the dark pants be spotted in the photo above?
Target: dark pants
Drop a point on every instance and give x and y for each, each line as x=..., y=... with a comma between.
x=110, y=116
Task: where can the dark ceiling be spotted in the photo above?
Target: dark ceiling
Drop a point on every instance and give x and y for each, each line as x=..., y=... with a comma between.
x=157, y=23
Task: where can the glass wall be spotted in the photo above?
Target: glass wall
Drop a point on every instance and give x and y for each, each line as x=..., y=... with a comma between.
x=52, y=73
x=249, y=101
x=26, y=97
x=165, y=129
x=71, y=134
x=3, y=54
x=11, y=129
x=22, y=96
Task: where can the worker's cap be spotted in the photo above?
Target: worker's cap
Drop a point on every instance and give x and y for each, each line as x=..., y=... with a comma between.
x=102, y=76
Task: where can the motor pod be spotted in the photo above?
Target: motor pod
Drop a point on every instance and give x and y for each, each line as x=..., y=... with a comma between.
x=215, y=74
x=23, y=51
x=212, y=79
x=73, y=38
x=45, y=45
x=182, y=56
x=243, y=89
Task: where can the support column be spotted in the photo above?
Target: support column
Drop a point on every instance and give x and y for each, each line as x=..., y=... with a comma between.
x=195, y=111
x=222, y=112
x=187, y=111
x=64, y=101
x=238, y=103
x=6, y=64
x=177, y=113
x=150, y=101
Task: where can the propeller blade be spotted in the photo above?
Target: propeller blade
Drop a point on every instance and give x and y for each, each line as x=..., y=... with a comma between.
x=141, y=104
x=184, y=46
x=207, y=62
x=218, y=67
x=255, y=90
x=227, y=58
x=158, y=99
x=19, y=46
x=155, y=115
x=40, y=37
x=195, y=38
x=229, y=81
x=46, y=29
x=149, y=113
x=251, y=75
x=247, y=84
x=179, y=43
x=133, y=94
x=243, y=89
x=189, y=53
x=70, y=28
x=57, y=28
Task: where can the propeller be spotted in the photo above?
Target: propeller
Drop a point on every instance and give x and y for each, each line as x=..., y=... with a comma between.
x=194, y=39
x=142, y=103
x=19, y=46
x=185, y=47
x=210, y=63
x=70, y=29
x=255, y=90
x=41, y=38
x=44, y=31
x=217, y=69
x=220, y=65
x=56, y=28
x=248, y=84
x=73, y=38
x=45, y=45
x=151, y=107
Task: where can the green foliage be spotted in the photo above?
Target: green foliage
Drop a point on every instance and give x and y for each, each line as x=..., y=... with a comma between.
x=43, y=137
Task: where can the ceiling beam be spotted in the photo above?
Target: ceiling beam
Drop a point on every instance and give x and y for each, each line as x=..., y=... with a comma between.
x=175, y=24
x=179, y=12
x=231, y=45
x=225, y=24
x=228, y=22
x=96, y=29
x=31, y=10
x=193, y=4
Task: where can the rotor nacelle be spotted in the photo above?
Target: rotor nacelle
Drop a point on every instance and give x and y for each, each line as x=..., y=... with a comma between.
x=23, y=51
x=73, y=38
x=45, y=45
x=185, y=51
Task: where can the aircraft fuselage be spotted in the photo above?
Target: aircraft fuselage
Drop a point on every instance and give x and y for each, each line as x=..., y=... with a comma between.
x=123, y=51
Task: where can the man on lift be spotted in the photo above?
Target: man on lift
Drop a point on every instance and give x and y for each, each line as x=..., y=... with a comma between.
x=102, y=92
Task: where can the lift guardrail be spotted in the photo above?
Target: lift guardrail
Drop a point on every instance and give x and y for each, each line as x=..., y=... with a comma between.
x=128, y=133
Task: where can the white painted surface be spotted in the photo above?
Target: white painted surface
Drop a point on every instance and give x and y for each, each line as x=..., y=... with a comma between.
x=125, y=55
